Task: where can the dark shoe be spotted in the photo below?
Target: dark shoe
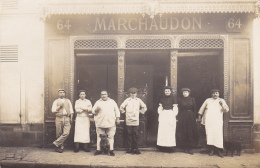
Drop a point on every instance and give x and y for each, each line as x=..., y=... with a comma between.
x=86, y=147
x=76, y=150
x=129, y=150
x=60, y=150
x=220, y=153
x=137, y=151
x=97, y=153
x=211, y=153
x=111, y=153
x=56, y=148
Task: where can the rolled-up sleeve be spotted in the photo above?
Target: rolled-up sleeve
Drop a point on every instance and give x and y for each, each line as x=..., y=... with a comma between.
x=54, y=107
x=71, y=108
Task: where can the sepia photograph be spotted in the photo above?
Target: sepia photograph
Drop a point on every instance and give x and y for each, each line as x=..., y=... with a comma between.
x=129, y=83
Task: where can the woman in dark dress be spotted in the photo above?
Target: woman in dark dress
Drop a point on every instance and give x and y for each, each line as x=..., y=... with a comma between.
x=187, y=133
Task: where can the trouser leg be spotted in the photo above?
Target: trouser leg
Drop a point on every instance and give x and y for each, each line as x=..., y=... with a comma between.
x=99, y=131
x=111, y=133
x=59, y=126
x=135, y=136
x=129, y=136
x=65, y=131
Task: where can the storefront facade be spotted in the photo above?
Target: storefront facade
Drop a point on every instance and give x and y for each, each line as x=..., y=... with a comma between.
x=115, y=46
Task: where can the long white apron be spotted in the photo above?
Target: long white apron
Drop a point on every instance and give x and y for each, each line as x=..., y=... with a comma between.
x=167, y=129
x=82, y=126
x=214, y=124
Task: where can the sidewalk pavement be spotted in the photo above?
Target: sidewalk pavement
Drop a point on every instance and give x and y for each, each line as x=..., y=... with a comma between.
x=28, y=157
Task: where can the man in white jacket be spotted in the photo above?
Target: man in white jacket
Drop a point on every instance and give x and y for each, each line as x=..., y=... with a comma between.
x=212, y=111
x=106, y=116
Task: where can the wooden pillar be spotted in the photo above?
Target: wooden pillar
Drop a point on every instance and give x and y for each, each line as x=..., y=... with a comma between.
x=121, y=76
x=173, y=71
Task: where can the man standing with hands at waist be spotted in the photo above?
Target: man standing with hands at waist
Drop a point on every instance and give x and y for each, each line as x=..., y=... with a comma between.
x=63, y=110
x=106, y=116
x=132, y=106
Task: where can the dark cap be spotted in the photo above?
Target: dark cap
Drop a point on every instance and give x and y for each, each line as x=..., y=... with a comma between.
x=214, y=90
x=62, y=90
x=185, y=89
x=133, y=90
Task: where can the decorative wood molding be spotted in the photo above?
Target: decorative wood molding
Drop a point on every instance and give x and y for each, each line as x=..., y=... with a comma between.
x=73, y=39
x=121, y=75
x=151, y=8
x=173, y=71
x=175, y=40
x=149, y=37
x=237, y=64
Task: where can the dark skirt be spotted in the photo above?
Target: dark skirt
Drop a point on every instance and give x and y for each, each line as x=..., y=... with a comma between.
x=186, y=130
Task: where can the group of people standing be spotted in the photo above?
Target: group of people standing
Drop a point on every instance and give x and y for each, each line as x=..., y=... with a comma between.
x=177, y=118
x=106, y=116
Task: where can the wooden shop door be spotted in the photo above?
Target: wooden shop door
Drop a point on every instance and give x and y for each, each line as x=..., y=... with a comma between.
x=141, y=77
x=200, y=73
x=93, y=78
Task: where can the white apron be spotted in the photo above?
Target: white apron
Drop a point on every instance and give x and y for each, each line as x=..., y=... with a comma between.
x=166, y=128
x=214, y=124
x=82, y=126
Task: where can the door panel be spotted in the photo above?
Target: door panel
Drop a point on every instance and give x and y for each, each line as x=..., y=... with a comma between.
x=200, y=74
x=240, y=118
x=141, y=77
x=55, y=79
x=92, y=78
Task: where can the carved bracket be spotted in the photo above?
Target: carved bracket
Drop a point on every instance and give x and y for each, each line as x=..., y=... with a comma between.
x=151, y=8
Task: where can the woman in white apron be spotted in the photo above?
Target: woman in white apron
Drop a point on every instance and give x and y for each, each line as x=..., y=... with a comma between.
x=83, y=109
x=167, y=110
x=212, y=110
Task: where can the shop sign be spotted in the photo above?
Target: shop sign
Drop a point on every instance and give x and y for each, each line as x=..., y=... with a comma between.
x=130, y=24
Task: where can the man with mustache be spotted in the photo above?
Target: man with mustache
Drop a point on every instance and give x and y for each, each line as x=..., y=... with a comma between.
x=212, y=111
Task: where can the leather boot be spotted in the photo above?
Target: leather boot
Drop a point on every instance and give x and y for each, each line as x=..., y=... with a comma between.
x=76, y=147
